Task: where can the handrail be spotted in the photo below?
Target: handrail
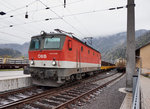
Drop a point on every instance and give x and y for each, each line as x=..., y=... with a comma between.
x=136, y=99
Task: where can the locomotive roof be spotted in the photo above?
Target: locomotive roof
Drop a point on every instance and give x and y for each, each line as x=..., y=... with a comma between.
x=49, y=34
x=85, y=44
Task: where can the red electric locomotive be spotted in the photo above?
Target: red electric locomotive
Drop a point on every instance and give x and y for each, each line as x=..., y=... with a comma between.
x=58, y=57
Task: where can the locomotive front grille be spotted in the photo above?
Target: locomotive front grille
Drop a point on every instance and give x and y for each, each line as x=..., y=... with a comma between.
x=43, y=73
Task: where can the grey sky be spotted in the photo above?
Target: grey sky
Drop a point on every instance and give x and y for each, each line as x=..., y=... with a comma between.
x=94, y=24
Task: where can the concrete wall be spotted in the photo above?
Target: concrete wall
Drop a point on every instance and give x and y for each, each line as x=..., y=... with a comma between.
x=14, y=83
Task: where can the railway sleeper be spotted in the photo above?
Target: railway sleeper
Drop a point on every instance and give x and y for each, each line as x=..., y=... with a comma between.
x=38, y=105
x=50, y=102
x=70, y=94
x=64, y=100
x=76, y=91
x=57, y=99
x=64, y=97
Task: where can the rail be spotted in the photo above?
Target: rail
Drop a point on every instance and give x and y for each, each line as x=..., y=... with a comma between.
x=64, y=105
x=53, y=92
x=12, y=66
x=136, y=99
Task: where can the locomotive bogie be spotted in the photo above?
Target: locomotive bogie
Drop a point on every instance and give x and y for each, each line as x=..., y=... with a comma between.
x=57, y=76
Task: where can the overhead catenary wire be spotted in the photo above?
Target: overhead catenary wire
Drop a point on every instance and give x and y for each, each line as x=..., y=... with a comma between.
x=87, y=12
x=47, y=19
x=80, y=23
x=44, y=8
x=75, y=18
x=11, y=25
x=94, y=11
x=6, y=39
x=4, y=4
x=16, y=9
x=12, y=35
x=20, y=29
x=68, y=15
x=22, y=13
x=62, y=18
x=25, y=23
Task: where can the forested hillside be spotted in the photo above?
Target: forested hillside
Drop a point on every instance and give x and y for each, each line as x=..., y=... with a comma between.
x=120, y=50
x=111, y=47
x=22, y=48
x=7, y=52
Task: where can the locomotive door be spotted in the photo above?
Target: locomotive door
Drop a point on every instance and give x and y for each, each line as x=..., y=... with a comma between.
x=78, y=60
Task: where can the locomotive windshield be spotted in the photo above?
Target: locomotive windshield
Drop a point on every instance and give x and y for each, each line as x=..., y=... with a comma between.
x=48, y=42
x=35, y=44
x=52, y=43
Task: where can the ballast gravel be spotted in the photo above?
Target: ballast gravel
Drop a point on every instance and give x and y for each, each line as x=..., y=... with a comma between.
x=108, y=98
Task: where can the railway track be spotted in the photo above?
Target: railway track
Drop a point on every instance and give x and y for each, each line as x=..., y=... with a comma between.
x=56, y=97
x=16, y=95
x=12, y=66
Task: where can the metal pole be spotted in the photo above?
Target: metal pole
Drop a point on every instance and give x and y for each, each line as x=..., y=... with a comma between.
x=130, y=53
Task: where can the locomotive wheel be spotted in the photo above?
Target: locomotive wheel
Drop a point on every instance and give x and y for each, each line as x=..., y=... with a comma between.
x=78, y=76
x=72, y=78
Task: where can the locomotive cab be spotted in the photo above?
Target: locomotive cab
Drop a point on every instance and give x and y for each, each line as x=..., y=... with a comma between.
x=44, y=56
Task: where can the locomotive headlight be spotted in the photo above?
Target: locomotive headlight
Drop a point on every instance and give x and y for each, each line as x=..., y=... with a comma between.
x=32, y=62
x=42, y=33
x=54, y=63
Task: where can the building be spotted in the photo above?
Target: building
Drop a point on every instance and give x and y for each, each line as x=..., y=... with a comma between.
x=143, y=58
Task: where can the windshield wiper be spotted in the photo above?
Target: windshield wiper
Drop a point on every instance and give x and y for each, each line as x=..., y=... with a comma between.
x=51, y=36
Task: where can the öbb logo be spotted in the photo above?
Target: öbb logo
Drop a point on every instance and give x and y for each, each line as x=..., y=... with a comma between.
x=42, y=56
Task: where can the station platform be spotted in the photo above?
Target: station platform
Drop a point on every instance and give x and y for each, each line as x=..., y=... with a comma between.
x=145, y=92
x=127, y=102
x=13, y=79
x=145, y=95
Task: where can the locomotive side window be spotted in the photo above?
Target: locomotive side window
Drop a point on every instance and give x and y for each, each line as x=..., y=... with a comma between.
x=35, y=44
x=69, y=44
x=82, y=48
x=88, y=51
x=52, y=43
